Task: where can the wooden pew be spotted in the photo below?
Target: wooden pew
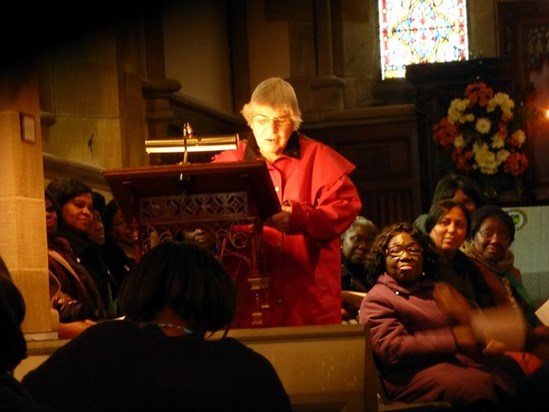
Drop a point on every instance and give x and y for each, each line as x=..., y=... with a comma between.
x=323, y=368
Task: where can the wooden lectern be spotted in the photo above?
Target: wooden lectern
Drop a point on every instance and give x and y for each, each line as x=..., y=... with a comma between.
x=230, y=200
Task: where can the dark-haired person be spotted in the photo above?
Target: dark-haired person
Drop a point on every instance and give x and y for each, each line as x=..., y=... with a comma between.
x=492, y=233
x=119, y=249
x=422, y=353
x=14, y=397
x=355, y=243
x=75, y=202
x=73, y=293
x=448, y=224
x=162, y=356
x=96, y=231
x=460, y=188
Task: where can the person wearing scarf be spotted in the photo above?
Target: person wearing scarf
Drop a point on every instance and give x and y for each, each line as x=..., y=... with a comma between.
x=491, y=235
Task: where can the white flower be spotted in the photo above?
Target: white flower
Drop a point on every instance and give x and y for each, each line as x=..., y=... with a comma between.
x=483, y=125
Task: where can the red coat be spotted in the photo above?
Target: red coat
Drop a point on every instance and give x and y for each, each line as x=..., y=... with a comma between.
x=305, y=263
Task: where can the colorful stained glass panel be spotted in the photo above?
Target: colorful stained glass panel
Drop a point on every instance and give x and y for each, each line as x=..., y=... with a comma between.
x=421, y=31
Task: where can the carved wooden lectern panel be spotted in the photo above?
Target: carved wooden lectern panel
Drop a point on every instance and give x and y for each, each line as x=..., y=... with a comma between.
x=227, y=200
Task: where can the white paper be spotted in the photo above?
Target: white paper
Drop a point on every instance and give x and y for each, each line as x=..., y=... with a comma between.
x=543, y=313
x=504, y=324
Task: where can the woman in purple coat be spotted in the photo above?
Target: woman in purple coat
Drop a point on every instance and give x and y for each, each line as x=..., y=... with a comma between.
x=421, y=352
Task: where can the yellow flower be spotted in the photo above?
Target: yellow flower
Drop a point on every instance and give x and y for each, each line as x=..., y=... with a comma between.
x=459, y=142
x=485, y=159
x=483, y=125
x=502, y=155
x=482, y=135
x=456, y=111
x=498, y=142
x=504, y=102
x=518, y=138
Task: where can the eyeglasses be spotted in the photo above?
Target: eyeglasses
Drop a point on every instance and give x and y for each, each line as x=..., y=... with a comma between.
x=266, y=120
x=397, y=251
x=489, y=234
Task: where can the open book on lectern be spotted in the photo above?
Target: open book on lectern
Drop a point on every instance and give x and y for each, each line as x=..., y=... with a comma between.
x=129, y=185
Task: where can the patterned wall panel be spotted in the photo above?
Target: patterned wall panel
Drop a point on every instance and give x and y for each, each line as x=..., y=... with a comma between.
x=530, y=248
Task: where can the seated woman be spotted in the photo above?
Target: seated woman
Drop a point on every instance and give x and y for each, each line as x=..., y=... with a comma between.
x=161, y=357
x=74, y=199
x=447, y=224
x=422, y=354
x=492, y=233
x=355, y=243
x=73, y=293
x=120, y=246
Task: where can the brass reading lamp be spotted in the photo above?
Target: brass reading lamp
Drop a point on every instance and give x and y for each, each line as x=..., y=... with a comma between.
x=191, y=143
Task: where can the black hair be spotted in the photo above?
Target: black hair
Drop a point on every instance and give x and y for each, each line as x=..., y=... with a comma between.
x=494, y=211
x=448, y=185
x=375, y=259
x=13, y=347
x=98, y=201
x=50, y=197
x=108, y=214
x=63, y=189
x=184, y=277
x=440, y=209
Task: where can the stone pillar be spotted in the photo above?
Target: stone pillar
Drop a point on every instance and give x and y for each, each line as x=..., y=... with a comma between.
x=158, y=114
x=157, y=93
x=321, y=90
x=23, y=242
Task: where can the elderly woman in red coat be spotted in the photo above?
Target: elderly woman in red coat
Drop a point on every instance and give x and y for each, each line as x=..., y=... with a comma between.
x=424, y=346
x=319, y=202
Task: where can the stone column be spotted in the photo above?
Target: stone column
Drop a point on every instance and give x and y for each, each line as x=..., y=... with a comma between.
x=321, y=90
x=158, y=113
x=23, y=242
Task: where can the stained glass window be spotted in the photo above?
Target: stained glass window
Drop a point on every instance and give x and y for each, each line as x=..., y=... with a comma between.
x=421, y=31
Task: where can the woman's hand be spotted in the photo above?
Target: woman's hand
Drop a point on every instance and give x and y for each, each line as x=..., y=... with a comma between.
x=281, y=220
x=466, y=341
x=71, y=330
x=493, y=347
x=452, y=303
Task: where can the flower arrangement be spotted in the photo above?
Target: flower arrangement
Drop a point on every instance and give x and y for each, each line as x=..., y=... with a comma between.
x=483, y=133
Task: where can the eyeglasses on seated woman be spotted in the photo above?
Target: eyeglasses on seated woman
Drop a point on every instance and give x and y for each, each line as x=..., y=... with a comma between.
x=489, y=246
x=423, y=344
